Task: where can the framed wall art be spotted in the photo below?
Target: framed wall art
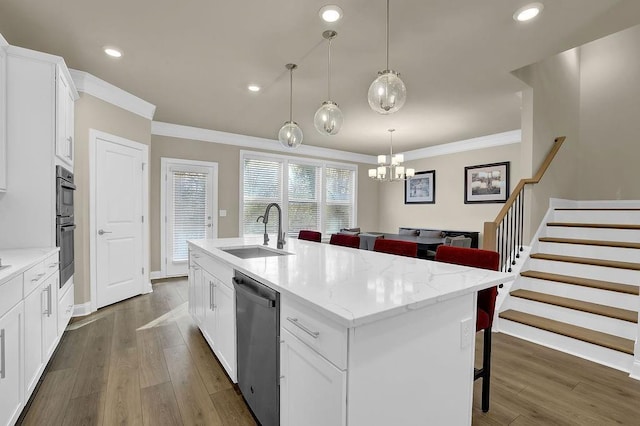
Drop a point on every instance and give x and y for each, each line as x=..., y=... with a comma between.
x=421, y=188
x=486, y=183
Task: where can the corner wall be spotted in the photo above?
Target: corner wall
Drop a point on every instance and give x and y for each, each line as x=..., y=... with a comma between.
x=93, y=113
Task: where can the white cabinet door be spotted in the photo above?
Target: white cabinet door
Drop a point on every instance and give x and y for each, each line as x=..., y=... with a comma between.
x=34, y=306
x=225, y=326
x=64, y=119
x=10, y=364
x=3, y=120
x=50, y=316
x=312, y=390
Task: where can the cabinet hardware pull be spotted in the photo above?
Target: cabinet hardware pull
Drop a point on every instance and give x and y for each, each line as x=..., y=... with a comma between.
x=295, y=322
x=211, y=285
x=2, y=370
x=49, y=302
x=37, y=277
x=53, y=265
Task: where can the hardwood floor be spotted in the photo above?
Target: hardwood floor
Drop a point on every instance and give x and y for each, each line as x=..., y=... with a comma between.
x=143, y=362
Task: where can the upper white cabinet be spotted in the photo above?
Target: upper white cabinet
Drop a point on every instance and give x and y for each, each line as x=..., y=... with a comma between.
x=65, y=101
x=3, y=119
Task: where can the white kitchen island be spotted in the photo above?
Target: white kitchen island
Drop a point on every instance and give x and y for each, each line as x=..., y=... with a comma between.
x=366, y=338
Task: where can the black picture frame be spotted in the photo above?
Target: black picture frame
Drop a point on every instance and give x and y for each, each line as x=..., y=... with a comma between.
x=421, y=188
x=486, y=183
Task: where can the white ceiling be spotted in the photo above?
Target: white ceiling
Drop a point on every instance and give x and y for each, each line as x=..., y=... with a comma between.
x=193, y=59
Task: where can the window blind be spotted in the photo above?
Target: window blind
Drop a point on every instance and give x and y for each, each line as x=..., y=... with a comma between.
x=262, y=185
x=339, y=199
x=304, y=197
x=189, y=210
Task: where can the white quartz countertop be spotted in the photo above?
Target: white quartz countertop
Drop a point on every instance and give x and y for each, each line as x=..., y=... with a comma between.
x=19, y=260
x=353, y=286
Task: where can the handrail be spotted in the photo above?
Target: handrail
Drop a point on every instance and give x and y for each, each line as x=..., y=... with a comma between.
x=513, y=210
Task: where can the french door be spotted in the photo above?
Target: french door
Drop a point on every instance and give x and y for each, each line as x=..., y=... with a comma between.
x=190, y=200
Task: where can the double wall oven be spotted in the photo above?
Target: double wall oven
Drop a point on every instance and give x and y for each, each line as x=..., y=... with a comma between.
x=65, y=224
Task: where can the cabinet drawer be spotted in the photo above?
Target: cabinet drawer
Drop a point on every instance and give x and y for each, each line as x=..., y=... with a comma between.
x=218, y=269
x=10, y=294
x=52, y=263
x=33, y=277
x=320, y=333
x=65, y=309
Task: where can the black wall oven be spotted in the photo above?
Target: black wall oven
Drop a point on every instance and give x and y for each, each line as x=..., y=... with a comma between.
x=65, y=224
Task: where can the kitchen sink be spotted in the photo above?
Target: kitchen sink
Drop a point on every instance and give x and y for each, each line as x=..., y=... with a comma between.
x=253, y=252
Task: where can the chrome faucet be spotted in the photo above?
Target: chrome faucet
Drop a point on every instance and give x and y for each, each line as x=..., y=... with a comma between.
x=265, y=220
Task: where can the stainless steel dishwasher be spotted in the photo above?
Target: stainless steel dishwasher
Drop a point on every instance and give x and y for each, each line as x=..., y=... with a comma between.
x=258, y=337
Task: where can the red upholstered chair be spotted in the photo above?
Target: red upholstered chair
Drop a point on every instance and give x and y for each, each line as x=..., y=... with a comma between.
x=310, y=236
x=485, y=259
x=345, y=240
x=402, y=248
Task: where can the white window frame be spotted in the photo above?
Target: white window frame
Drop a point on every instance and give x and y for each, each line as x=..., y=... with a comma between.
x=165, y=163
x=284, y=176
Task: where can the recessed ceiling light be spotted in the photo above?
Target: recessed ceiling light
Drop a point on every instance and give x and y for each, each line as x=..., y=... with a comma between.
x=330, y=13
x=528, y=12
x=253, y=88
x=112, y=51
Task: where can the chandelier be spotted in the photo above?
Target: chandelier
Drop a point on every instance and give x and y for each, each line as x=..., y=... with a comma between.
x=290, y=134
x=393, y=170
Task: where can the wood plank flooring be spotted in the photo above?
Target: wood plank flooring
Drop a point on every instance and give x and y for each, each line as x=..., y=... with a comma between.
x=143, y=362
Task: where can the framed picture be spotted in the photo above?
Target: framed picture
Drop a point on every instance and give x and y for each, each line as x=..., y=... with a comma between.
x=421, y=188
x=486, y=183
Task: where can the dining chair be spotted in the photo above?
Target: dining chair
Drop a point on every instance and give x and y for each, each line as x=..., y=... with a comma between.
x=402, y=248
x=310, y=236
x=345, y=240
x=485, y=259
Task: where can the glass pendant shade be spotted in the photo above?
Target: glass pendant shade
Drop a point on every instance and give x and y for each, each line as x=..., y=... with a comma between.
x=290, y=135
x=387, y=93
x=328, y=118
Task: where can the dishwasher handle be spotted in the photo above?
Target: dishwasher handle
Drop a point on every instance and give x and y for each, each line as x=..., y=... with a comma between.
x=250, y=294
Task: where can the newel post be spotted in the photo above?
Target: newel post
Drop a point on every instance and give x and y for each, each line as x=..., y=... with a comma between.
x=489, y=241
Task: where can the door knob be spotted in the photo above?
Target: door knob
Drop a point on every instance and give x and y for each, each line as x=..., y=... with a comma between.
x=102, y=232
x=208, y=225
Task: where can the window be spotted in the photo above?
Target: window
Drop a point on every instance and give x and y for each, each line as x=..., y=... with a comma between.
x=190, y=210
x=313, y=194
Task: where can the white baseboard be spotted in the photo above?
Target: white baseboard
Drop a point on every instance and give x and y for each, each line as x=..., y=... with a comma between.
x=82, y=309
x=156, y=275
x=635, y=370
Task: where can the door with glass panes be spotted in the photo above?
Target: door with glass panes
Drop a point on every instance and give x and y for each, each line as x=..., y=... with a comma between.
x=190, y=212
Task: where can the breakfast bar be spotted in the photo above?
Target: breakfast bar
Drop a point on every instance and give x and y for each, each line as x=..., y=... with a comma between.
x=366, y=338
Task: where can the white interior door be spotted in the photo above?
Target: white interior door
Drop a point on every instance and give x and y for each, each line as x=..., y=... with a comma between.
x=118, y=222
x=190, y=209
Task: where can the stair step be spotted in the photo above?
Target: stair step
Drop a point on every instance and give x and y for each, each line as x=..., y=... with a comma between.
x=587, y=261
x=594, y=225
x=578, y=305
x=584, y=282
x=595, y=337
x=619, y=244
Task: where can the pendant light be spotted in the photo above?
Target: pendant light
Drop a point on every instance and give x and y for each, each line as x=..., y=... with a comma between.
x=328, y=118
x=290, y=135
x=387, y=93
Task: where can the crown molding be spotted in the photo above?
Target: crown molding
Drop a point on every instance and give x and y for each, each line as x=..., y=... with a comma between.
x=482, y=142
x=100, y=89
x=159, y=128
x=3, y=41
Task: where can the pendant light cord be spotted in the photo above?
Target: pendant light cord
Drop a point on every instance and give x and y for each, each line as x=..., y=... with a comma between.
x=387, y=34
x=329, y=72
x=291, y=95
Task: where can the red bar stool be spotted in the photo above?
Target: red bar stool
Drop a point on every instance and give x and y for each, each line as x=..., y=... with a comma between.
x=484, y=259
x=310, y=236
x=344, y=240
x=402, y=248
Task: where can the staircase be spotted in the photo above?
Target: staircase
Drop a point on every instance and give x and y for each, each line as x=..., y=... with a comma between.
x=578, y=290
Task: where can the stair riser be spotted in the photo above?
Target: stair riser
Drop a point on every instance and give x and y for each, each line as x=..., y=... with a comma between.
x=591, y=252
x=601, y=234
x=595, y=353
x=586, y=294
x=598, y=216
x=600, y=323
x=622, y=276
